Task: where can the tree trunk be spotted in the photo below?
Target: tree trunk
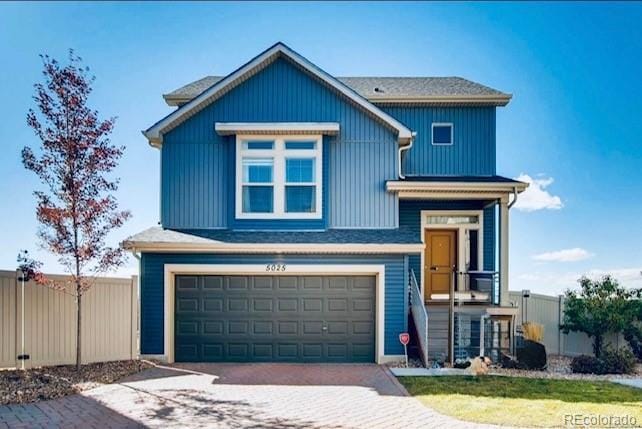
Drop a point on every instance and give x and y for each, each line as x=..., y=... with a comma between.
x=78, y=328
x=598, y=341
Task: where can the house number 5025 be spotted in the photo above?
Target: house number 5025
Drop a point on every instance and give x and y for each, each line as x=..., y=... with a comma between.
x=275, y=267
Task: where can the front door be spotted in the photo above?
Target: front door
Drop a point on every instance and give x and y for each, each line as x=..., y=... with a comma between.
x=439, y=262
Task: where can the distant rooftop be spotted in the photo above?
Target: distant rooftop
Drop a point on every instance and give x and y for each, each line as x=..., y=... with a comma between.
x=441, y=90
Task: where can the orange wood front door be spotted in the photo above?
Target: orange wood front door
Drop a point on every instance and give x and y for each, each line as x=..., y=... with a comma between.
x=439, y=262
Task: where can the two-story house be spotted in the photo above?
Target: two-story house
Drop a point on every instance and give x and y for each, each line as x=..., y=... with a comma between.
x=299, y=212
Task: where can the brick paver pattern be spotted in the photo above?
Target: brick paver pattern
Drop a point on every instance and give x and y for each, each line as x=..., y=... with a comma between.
x=285, y=396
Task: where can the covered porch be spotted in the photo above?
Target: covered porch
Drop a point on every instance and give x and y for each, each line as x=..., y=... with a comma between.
x=459, y=282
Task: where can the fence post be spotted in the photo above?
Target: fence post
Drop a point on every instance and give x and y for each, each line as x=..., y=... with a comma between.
x=560, y=318
x=134, y=318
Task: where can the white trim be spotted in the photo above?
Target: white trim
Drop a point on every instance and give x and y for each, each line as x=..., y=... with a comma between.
x=442, y=124
x=170, y=270
x=446, y=186
x=461, y=237
x=279, y=155
x=447, y=100
x=213, y=246
x=494, y=100
x=155, y=133
x=229, y=128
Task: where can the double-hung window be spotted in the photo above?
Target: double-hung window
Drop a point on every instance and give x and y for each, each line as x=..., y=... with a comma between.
x=279, y=177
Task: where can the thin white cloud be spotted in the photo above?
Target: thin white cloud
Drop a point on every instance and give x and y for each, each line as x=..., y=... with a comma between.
x=536, y=197
x=564, y=255
x=554, y=283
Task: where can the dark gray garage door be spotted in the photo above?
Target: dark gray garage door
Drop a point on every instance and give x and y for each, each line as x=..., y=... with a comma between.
x=275, y=318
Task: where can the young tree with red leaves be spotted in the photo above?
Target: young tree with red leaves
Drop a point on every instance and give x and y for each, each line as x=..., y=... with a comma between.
x=75, y=160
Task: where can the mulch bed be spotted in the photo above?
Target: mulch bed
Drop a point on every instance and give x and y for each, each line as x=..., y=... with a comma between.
x=40, y=384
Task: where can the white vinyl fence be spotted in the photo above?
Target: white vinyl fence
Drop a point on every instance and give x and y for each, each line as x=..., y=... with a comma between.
x=549, y=312
x=109, y=325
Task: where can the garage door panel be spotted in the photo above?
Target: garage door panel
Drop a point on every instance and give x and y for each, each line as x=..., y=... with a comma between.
x=212, y=351
x=338, y=304
x=212, y=305
x=287, y=283
x=262, y=327
x=263, y=283
x=213, y=327
x=212, y=283
x=288, y=304
x=312, y=304
x=275, y=318
x=237, y=283
x=262, y=304
x=311, y=283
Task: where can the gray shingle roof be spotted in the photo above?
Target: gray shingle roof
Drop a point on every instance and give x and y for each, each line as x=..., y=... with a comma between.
x=457, y=179
x=383, y=89
x=332, y=236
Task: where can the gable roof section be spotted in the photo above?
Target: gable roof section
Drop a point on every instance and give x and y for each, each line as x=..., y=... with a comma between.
x=155, y=133
x=425, y=90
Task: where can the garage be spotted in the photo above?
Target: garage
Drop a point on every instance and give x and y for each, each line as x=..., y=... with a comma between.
x=274, y=318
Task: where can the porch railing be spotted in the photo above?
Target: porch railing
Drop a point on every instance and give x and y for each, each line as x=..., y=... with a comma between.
x=419, y=317
x=474, y=287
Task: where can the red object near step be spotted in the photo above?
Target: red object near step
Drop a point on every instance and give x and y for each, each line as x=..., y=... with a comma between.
x=404, y=338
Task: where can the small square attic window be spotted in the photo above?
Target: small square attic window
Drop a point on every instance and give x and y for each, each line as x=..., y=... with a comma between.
x=442, y=133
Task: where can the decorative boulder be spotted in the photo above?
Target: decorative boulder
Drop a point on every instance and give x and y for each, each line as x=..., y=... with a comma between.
x=509, y=363
x=532, y=355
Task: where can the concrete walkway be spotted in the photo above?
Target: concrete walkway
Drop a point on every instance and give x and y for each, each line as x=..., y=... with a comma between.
x=286, y=396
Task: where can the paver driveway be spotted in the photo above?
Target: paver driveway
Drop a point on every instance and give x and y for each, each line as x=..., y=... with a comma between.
x=285, y=396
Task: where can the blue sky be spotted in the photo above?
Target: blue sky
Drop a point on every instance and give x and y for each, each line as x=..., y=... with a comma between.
x=574, y=125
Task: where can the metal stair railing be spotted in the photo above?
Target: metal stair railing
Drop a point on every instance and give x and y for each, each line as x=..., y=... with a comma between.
x=419, y=317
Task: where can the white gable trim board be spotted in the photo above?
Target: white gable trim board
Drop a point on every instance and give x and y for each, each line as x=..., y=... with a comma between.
x=155, y=133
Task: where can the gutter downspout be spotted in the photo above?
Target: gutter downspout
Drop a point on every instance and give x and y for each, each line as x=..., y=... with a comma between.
x=515, y=194
x=402, y=149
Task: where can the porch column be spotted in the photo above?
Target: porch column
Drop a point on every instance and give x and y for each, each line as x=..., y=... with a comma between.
x=503, y=252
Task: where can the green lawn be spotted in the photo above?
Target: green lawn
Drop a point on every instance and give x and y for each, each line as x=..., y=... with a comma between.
x=518, y=401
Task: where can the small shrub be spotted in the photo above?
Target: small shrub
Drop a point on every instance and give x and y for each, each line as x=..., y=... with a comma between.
x=533, y=331
x=612, y=361
x=616, y=361
x=585, y=364
x=532, y=355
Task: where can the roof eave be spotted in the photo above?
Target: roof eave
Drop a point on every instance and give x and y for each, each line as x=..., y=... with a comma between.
x=490, y=100
x=262, y=248
x=484, y=100
x=402, y=186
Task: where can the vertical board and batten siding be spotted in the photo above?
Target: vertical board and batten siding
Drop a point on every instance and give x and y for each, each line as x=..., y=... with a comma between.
x=197, y=175
x=410, y=217
x=548, y=311
x=472, y=152
x=109, y=330
x=152, y=289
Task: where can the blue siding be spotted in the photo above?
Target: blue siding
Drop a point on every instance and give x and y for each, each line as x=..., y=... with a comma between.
x=152, y=283
x=410, y=217
x=490, y=226
x=473, y=150
x=197, y=174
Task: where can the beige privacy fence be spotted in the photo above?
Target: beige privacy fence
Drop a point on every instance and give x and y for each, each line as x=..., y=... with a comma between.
x=549, y=312
x=109, y=322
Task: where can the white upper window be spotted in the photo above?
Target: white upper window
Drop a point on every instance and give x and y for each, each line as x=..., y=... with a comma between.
x=278, y=177
x=442, y=133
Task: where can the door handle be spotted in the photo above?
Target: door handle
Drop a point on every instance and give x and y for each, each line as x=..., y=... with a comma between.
x=433, y=268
